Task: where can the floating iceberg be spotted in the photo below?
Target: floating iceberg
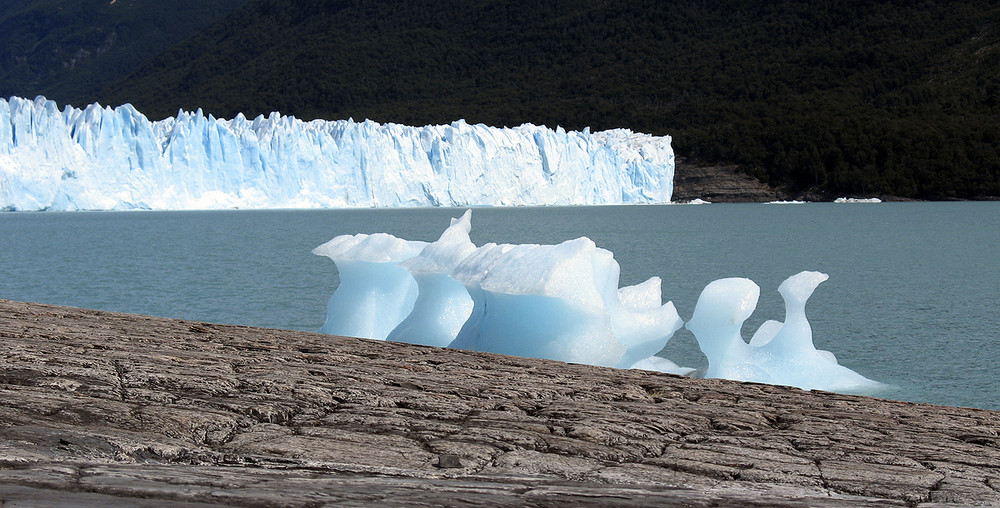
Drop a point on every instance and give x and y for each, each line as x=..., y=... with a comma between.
x=857, y=200
x=542, y=301
x=99, y=158
x=443, y=304
x=375, y=293
x=778, y=353
x=562, y=302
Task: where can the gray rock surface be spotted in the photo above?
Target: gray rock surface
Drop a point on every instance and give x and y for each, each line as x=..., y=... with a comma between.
x=100, y=408
x=720, y=184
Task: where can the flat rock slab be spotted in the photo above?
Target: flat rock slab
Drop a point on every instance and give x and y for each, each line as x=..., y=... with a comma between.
x=102, y=408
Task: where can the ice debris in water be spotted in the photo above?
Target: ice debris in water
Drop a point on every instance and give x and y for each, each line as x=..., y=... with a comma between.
x=778, y=353
x=562, y=302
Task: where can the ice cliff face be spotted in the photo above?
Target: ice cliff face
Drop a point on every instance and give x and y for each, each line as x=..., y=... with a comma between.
x=99, y=158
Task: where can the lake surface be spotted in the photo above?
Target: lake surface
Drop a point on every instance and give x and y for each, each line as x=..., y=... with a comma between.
x=912, y=298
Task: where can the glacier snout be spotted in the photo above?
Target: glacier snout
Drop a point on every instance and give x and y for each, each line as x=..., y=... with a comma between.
x=100, y=158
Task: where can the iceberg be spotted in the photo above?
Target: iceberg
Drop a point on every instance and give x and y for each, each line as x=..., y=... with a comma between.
x=103, y=158
x=559, y=302
x=778, y=353
x=375, y=293
x=443, y=304
x=562, y=302
x=542, y=301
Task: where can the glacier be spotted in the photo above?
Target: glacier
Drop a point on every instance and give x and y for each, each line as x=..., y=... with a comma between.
x=562, y=302
x=103, y=158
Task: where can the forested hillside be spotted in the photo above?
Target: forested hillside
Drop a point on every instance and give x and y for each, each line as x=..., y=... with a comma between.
x=852, y=97
x=64, y=49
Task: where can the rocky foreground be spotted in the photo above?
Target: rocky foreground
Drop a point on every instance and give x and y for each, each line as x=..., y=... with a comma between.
x=101, y=408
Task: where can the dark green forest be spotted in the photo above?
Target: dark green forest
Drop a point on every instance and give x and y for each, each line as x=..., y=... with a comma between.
x=897, y=98
x=65, y=49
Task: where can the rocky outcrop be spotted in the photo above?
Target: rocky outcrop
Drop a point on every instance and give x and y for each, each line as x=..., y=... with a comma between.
x=720, y=184
x=102, y=408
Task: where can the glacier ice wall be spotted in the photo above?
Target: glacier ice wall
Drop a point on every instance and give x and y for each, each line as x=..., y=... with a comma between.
x=99, y=158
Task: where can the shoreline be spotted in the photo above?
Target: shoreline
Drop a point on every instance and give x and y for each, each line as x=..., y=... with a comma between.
x=725, y=183
x=106, y=407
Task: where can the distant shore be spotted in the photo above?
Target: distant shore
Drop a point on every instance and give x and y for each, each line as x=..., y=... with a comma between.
x=103, y=407
x=726, y=184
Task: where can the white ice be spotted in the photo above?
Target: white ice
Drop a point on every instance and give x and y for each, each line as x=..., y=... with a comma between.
x=100, y=158
x=640, y=321
x=857, y=200
x=779, y=353
x=562, y=302
x=375, y=294
x=660, y=364
x=443, y=304
x=540, y=301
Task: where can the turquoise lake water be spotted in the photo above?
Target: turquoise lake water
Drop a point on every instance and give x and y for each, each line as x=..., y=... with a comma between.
x=913, y=298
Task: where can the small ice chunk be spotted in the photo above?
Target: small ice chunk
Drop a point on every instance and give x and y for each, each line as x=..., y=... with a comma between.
x=722, y=308
x=660, y=364
x=857, y=200
x=640, y=322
